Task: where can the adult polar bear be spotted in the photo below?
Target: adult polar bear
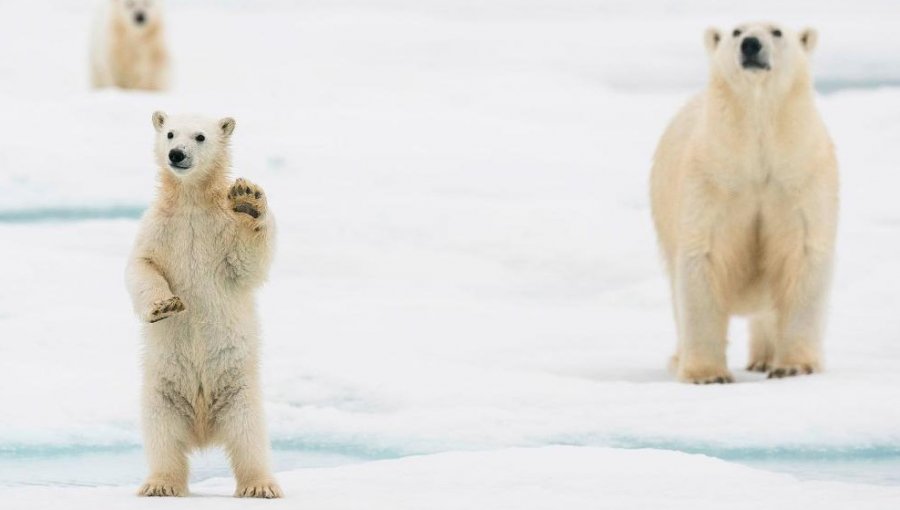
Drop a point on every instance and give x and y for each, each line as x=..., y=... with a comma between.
x=745, y=198
x=128, y=46
x=202, y=249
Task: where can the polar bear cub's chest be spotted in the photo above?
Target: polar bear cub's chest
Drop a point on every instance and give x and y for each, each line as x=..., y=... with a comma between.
x=194, y=243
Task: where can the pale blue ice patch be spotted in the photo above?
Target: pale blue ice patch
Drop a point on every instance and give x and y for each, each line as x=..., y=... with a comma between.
x=71, y=214
x=123, y=463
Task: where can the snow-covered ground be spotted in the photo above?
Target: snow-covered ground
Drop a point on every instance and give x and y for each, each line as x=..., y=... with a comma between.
x=466, y=259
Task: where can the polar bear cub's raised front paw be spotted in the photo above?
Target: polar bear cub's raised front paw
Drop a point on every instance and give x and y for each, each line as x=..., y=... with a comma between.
x=165, y=308
x=247, y=198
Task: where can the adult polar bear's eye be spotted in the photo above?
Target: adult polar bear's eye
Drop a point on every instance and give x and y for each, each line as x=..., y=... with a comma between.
x=776, y=33
x=736, y=33
x=171, y=135
x=200, y=138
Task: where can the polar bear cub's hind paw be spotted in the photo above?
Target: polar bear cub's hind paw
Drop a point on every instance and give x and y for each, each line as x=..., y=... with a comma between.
x=160, y=488
x=266, y=489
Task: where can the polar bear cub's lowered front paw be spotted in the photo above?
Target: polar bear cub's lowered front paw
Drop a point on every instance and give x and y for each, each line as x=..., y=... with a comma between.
x=165, y=308
x=247, y=198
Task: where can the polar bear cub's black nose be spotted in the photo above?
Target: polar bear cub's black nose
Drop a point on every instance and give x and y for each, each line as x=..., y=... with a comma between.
x=140, y=18
x=751, y=47
x=176, y=156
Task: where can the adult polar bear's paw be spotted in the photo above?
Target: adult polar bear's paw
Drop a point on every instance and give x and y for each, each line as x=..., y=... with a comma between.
x=779, y=372
x=266, y=489
x=705, y=375
x=758, y=366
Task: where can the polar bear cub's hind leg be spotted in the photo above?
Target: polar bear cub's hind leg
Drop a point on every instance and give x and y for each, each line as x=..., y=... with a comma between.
x=167, y=441
x=243, y=433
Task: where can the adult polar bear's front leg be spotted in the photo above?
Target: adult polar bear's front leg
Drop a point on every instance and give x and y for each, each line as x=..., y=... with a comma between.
x=801, y=253
x=697, y=284
x=702, y=324
x=250, y=256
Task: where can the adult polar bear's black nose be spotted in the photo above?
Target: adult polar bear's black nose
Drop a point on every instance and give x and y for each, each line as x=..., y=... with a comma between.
x=176, y=156
x=751, y=47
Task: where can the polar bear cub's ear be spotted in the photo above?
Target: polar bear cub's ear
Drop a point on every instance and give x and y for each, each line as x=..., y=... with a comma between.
x=711, y=38
x=227, y=126
x=809, y=37
x=159, y=120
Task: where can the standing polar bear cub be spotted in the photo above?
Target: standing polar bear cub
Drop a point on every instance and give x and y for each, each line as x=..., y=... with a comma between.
x=128, y=47
x=202, y=249
x=745, y=199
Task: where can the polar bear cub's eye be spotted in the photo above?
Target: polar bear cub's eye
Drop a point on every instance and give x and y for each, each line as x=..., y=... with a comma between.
x=200, y=138
x=776, y=33
x=171, y=135
x=736, y=33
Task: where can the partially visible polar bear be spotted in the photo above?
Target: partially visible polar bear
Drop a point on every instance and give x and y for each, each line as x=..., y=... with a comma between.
x=128, y=46
x=745, y=201
x=202, y=250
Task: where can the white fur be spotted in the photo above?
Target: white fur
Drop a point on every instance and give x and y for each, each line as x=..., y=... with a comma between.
x=196, y=264
x=744, y=191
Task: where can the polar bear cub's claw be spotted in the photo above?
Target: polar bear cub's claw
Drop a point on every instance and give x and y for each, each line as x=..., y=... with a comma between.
x=165, y=308
x=247, y=198
x=266, y=489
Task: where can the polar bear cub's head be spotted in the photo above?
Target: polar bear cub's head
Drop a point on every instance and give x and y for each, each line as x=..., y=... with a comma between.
x=758, y=53
x=192, y=145
x=137, y=15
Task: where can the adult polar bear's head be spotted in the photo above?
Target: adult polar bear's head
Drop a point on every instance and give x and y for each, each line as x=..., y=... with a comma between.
x=760, y=54
x=137, y=15
x=190, y=145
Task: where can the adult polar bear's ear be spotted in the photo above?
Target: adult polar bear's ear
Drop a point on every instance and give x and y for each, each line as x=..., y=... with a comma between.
x=227, y=126
x=711, y=38
x=159, y=120
x=809, y=37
